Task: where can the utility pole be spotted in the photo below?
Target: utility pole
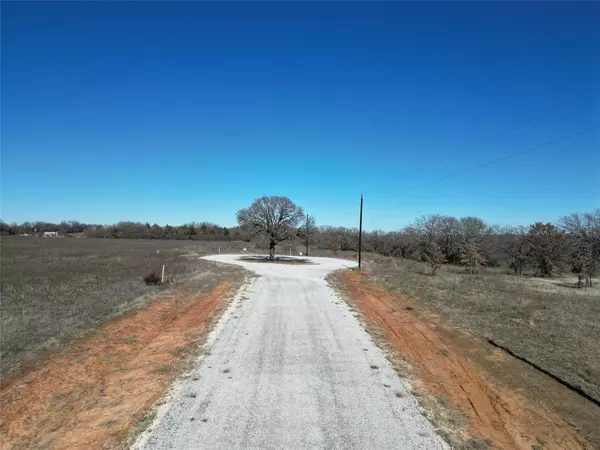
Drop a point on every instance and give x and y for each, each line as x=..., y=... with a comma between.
x=307, y=235
x=360, y=232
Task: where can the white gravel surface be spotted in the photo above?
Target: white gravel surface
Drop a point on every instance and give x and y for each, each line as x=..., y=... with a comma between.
x=291, y=367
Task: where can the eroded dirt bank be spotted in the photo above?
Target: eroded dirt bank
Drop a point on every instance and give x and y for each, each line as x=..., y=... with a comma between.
x=451, y=367
x=95, y=391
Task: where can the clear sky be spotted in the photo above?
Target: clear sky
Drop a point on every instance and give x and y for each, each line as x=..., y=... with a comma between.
x=178, y=112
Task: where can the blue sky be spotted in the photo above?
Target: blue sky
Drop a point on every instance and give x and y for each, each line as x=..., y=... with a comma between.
x=178, y=112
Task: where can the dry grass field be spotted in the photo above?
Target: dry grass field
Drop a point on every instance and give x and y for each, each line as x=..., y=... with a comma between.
x=545, y=320
x=53, y=289
x=56, y=289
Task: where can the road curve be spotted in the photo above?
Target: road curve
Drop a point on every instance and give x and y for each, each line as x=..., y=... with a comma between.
x=291, y=367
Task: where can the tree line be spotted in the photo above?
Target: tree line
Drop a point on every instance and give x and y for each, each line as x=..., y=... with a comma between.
x=126, y=230
x=572, y=243
x=437, y=240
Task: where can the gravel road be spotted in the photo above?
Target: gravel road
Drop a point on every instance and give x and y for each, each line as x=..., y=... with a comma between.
x=291, y=367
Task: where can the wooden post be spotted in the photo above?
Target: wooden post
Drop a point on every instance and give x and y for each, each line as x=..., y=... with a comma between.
x=162, y=277
x=360, y=232
x=307, y=235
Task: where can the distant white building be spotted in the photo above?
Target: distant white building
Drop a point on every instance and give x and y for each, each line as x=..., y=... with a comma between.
x=50, y=234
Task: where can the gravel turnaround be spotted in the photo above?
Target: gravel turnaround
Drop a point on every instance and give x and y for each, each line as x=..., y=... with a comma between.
x=291, y=367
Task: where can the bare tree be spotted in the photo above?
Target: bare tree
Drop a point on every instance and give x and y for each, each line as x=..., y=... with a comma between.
x=547, y=247
x=584, y=230
x=274, y=218
x=450, y=238
x=409, y=242
x=472, y=229
x=514, y=247
x=429, y=227
x=337, y=238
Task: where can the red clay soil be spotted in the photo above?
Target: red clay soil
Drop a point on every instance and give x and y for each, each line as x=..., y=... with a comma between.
x=91, y=394
x=444, y=368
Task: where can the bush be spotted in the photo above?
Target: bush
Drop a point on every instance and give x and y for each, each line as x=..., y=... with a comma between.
x=152, y=278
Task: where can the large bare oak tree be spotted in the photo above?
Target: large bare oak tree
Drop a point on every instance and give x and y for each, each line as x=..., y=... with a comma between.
x=274, y=218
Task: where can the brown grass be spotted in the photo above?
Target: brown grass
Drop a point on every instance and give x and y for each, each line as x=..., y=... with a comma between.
x=100, y=389
x=546, y=321
x=457, y=377
x=543, y=320
x=57, y=289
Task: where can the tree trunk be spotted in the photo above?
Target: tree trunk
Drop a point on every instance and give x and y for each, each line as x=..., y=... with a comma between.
x=272, y=250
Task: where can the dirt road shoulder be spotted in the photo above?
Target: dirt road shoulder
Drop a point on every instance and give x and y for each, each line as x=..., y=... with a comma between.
x=454, y=370
x=94, y=392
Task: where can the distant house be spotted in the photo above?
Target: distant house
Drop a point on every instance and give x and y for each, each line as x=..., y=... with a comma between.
x=50, y=234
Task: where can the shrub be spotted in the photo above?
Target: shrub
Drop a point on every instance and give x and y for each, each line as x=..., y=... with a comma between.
x=472, y=257
x=433, y=255
x=152, y=278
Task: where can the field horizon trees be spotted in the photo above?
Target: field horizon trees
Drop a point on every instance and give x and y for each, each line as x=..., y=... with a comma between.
x=571, y=244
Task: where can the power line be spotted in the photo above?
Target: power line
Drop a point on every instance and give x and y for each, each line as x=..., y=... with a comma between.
x=491, y=138
x=513, y=155
x=373, y=222
x=508, y=157
x=485, y=141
